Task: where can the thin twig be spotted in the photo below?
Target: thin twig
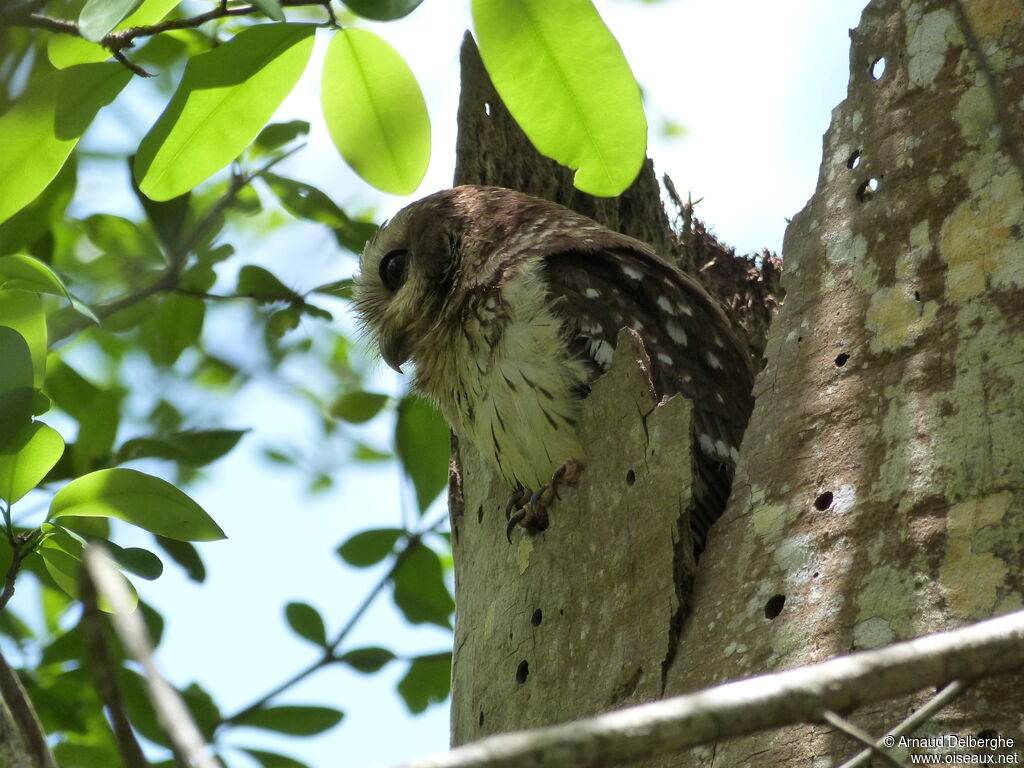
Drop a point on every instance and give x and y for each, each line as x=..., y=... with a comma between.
x=912, y=723
x=12, y=693
x=131, y=65
x=859, y=734
x=1006, y=123
x=22, y=545
x=330, y=653
x=991, y=647
x=171, y=711
x=104, y=672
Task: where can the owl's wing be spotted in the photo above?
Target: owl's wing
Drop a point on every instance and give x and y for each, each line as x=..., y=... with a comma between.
x=692, y=349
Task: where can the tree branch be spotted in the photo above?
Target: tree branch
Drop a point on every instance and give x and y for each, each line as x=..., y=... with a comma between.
x=858, y=734
x=22, y=546
x=14, y=699
x=990, y=647
x=125, y=38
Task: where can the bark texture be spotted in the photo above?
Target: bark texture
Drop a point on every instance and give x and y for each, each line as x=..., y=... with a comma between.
x=880, y=489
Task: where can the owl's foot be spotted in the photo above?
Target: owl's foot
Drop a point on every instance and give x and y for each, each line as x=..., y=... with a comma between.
x=533, y=516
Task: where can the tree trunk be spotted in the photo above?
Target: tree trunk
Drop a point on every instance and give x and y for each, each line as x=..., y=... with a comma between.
x=881, y=481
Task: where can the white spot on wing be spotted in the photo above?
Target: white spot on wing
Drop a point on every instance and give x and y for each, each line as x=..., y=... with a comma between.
x=706, y=443
x=665, y=305
x=592, y=293
x=631, y=272
x=601, y=351
x=676, y=332
x=665, y=359
x=713, y=361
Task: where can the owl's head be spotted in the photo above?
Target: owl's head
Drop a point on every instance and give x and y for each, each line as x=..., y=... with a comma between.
x=412, y=273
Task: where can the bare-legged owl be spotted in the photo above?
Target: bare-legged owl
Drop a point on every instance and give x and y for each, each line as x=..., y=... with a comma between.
x=510, y=305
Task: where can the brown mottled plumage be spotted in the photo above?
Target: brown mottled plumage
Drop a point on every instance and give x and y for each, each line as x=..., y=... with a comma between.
x=510, y=305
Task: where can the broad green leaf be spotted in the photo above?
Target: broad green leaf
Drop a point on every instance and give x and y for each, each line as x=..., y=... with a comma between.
x=367, y=660
x=294, y=720
x=137, y=498
x=368, y=548
x=62, y=556
x=282, y=321
x=420, y=592
x=262, y=285
x=307, y=622
x=100, y=16
x=136, y=560
x=225, y=97
x=427, y=682
x=15, y=385
x=36, y=219
x=85, y=755
x=375, y=111
x=26, y=459
x=67, y=50
x=96, y=410
x=186, y=555
x=308, y=202
x=29, y=274
x=270, y=8
x=358, y=407
x=23, y=311
x=423, y=444
x=168, y=217
x=44, y=125
x=563, y=76
x=193, y=449
x=382, y=10
x=277, y=135
x=365, y=452
x=173, y=328
x=273, y=759
x=340, y=289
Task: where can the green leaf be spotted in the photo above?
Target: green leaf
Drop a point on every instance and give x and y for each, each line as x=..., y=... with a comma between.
x=294, y=720
x=273, y=759
x=382, y=10
x=339, y=289
x=100, y=16
x=174, y=327
x=193, y=448
x=308, y=202
x=423, y=445
x=375, y=111
x=62, y=556
x=420, y=592
x=168, y=217
x=67, y=50
x=45, y=124
x=307, y=622
x=367, y=660
x=262, y=285
x=186, y=555
x=358, y=407
x=136, y=560
x=23, y=311
x=428, y=681
x=29, y=274
x=15, y=386
x=143, y=500
x=563, y=76
x=278, y=134
x=26, y=459
x=225, y=97
x=270, y=8
x=365, y=452
x=368, y=548
x=282, y=321
x=36, y=219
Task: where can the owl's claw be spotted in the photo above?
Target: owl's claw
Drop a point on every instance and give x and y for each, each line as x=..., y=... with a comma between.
x=533, y=516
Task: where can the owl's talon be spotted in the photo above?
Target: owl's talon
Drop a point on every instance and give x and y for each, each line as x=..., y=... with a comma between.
x=515, y=501
x=513, y=521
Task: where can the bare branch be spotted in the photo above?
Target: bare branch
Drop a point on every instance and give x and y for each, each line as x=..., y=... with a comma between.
x=32, y=751
x=800, y=695
x=170, y=709
x=858, y=734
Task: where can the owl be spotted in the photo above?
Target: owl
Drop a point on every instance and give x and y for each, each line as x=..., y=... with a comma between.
x=509, y=307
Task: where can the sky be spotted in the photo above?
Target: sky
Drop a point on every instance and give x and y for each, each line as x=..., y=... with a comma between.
x=753, y=85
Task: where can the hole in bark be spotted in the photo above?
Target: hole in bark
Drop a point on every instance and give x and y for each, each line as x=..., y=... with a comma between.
x=854, y=160
x=917, y=295
x=537, y=618
x=561, y=611
x=774, y=606
x=824, y=501
x=878, y=68
x=630, y=477
x=988, y=733
x=522, y=671
x=814, y=575
x=867, y=190
x=841, y=359
x=480, y=513
x=481, y=720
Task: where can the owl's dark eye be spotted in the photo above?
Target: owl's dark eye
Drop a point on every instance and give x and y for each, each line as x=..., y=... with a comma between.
x=392, y=269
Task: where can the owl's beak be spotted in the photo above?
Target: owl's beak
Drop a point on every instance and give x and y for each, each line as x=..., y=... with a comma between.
x=394, y=350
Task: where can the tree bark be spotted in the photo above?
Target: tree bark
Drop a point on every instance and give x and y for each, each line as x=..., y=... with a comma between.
x=881, y=481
